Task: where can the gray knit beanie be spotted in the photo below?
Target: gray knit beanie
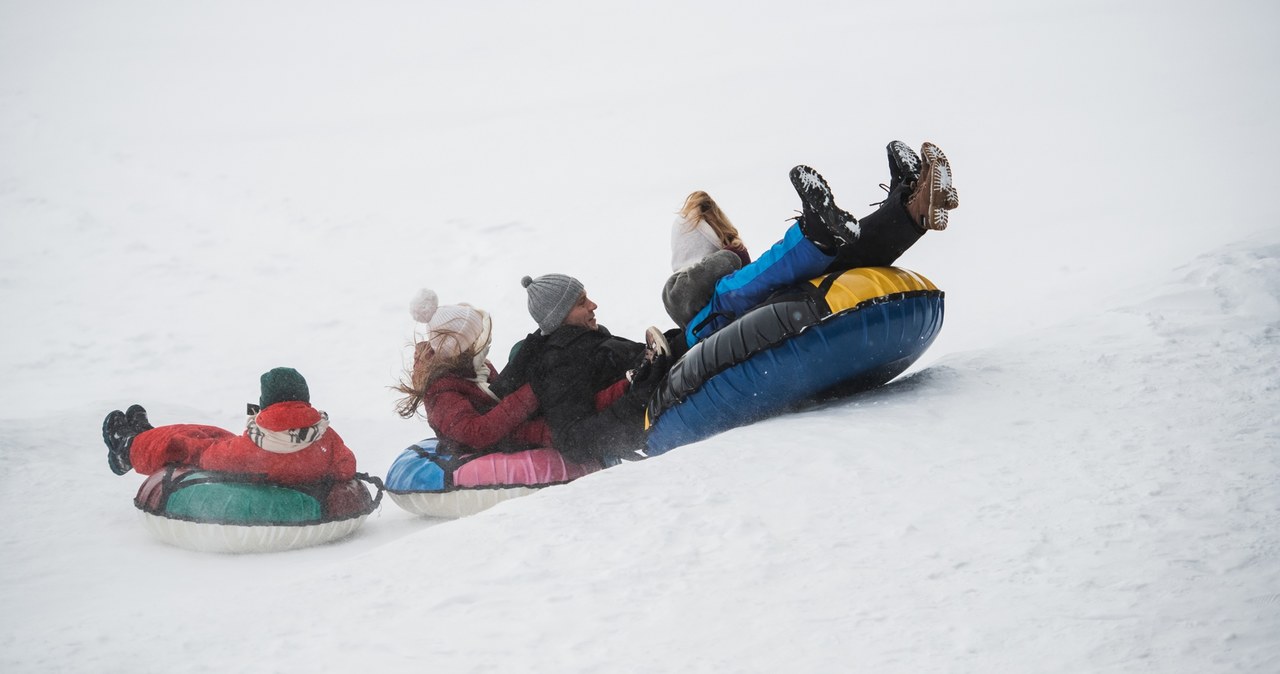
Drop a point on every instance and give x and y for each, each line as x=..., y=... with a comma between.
x=688, y=290
x=551, y=297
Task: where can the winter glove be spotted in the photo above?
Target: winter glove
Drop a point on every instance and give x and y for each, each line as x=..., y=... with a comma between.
x=648, y=375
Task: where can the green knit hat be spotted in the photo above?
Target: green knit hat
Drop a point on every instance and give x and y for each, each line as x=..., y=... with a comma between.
x=281, y=384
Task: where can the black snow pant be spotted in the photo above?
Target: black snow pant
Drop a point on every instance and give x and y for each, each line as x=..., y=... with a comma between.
x=885, y=235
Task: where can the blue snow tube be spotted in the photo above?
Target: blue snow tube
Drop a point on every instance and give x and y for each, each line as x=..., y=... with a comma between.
x=847, y=331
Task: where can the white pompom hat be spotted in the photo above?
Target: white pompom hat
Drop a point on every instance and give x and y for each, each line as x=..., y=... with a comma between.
x=451, y=328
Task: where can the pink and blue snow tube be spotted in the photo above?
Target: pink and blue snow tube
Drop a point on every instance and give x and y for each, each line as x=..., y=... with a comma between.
x=845, y=332
x=429, y=479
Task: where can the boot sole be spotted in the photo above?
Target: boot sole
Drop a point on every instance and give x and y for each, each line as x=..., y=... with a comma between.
x=816, y=195
x=942, y=193
x=942, y=180
x=904, y=163
x=112, y=435
x=656, y=342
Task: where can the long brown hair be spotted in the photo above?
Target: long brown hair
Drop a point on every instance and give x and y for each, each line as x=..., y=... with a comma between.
x=428, y=366
x=700, y=206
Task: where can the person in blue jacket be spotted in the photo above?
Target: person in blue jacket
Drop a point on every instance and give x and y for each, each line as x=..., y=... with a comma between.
x=706, y=295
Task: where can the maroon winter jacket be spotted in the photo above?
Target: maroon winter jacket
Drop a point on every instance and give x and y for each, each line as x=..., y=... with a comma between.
x=458, y=410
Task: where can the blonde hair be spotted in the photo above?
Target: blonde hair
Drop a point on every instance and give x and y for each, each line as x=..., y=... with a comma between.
x=429, y=366
x=700, y=206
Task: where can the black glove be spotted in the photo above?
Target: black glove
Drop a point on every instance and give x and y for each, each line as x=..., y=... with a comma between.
x=649, y=375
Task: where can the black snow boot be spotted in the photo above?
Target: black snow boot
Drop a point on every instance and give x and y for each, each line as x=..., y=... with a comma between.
x=137, y=417
x=821, y=221
x=676, y=340
x=904, y=164
x=118, y=434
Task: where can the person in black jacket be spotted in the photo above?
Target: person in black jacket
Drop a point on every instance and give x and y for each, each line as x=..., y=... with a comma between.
x=570, y=358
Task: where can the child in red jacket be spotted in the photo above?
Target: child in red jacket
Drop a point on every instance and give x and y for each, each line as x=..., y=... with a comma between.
x=450, y=382
x=286, y=440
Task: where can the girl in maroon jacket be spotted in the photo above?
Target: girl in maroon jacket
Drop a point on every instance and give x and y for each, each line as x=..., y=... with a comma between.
x=450, y=383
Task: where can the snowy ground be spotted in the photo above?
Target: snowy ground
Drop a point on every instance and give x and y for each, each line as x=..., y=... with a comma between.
x=1081, y=476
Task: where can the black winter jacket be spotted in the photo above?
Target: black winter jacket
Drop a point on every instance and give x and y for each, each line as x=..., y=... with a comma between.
x=566, y=369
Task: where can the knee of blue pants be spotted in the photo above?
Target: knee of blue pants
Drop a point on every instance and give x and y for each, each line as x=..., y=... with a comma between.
x=791, y=260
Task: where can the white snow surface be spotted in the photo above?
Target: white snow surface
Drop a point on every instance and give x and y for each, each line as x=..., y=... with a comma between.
x=1080, y=476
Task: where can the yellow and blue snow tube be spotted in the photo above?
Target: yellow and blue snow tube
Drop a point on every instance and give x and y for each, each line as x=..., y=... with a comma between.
x=850, y=330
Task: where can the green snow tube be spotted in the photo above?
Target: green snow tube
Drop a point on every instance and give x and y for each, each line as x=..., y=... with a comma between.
x=223, y=512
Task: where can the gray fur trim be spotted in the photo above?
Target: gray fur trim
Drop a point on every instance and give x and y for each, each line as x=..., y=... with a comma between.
x=688, y=290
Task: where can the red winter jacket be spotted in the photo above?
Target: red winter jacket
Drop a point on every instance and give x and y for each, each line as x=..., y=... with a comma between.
x=213, y=448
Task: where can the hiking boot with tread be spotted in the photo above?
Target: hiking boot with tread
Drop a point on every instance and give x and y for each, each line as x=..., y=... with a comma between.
x=904, y=164
x=137, y=417
x=822, y=222
x=934, y=193
x=118, y=435
x=655, y=344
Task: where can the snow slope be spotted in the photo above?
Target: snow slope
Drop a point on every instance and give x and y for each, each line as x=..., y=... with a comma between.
x=1080, y=477
x=1099, y=496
